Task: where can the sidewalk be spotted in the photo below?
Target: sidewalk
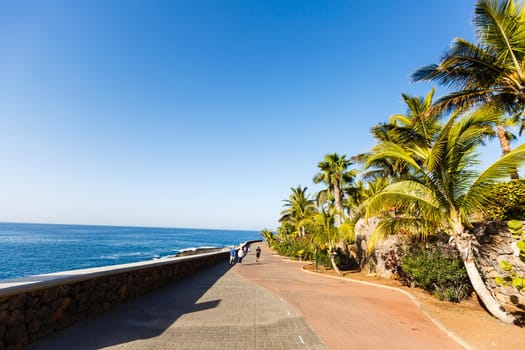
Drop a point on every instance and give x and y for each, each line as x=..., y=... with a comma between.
x=259, y=306
x=215, y=309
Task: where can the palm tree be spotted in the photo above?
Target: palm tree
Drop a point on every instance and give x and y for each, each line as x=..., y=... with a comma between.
x=357, y=196
x=384, y=167
x=299, y=208
x=268, y=236
x=328, y=235
x=489, y=73
x=418, y=127
x=443, y=192
x=335, y=175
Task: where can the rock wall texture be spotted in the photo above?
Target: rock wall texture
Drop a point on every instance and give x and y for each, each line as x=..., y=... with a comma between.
x=374, y=262
x=35, y=313
x=495, y=245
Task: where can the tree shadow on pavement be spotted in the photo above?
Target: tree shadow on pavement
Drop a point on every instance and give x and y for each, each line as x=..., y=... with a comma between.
x=142, y=318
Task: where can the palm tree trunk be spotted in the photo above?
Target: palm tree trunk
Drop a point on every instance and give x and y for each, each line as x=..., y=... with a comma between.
x=339, y=204
x=504, y=143
x=332, y=261
x=464, y=246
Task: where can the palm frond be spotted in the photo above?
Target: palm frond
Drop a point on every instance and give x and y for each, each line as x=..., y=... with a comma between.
x=390, y=150
x=382, y=202
x=413, y=226
x=501, y=168
x=464, y=66
x=500, y=27
x=399, y=118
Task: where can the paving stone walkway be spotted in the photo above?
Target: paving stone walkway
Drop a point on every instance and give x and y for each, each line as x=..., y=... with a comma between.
x=215, y=309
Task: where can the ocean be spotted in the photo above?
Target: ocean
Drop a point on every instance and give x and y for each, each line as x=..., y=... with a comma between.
x=32, y=249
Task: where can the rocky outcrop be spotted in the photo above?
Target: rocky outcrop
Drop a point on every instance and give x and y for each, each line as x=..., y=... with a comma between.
x=375, y=262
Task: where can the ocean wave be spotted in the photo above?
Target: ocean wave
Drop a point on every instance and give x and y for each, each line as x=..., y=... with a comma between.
x=117, y=256
x=192, y=249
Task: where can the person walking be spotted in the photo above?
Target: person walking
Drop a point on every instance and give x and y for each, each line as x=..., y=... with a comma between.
x=232, y=255
x=240, y=255
x=257, y=253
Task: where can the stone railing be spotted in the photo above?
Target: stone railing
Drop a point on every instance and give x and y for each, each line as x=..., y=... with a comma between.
x=37, y=306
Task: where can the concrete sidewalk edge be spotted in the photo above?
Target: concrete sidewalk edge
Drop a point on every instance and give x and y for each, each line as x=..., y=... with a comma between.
x=440, y=325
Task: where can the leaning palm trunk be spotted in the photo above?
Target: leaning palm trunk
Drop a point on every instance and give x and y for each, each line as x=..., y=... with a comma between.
x=463, y=243
x=332, y=261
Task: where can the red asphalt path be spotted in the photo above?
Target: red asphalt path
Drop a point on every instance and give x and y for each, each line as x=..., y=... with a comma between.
x=346, y=315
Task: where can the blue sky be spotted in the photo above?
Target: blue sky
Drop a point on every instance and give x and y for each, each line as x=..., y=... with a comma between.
x=198, y=113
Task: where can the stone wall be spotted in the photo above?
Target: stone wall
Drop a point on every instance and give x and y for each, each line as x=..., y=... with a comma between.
x=38, y=308
x=495, y=245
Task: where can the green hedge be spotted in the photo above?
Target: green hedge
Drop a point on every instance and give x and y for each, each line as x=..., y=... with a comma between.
x=301, y=248
x=440, y=272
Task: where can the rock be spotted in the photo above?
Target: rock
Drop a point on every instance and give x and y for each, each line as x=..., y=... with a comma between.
x=15, y=319
x=17, y=301
x=49, y=295
x=16, y=336
x=58, y=312
x=493, y=274
x=34, y=326
x=501, y=297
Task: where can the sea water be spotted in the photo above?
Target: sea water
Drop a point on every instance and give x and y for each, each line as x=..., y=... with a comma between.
x=31, y=249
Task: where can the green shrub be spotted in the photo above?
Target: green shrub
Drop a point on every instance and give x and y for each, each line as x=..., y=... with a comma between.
x=440, y=272
x=507, y=201
x=295, y=248
x=286, y=229
x=324, y=259
x=268, y=236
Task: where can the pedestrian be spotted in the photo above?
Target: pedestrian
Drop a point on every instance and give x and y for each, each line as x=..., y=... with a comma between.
x=232, y=255
x=257, y=253
x=240, y=255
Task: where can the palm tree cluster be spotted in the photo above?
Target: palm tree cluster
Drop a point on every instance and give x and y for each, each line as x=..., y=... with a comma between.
x=422, y=177
x=322, y=220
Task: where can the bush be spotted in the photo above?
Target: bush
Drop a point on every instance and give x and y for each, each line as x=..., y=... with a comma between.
x=507, y=201
x=323, y=259
x=440, y=272
x=392, y=261
x=295, y=248
x=286, y=229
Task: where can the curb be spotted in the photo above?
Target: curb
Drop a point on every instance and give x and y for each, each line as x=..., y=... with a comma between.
x=440, y=325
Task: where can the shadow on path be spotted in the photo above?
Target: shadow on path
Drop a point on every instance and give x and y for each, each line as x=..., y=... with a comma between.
x=143, y=318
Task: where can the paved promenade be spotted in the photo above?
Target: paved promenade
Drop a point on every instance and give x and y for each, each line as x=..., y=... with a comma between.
x=267, y=305
x=348, y=315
